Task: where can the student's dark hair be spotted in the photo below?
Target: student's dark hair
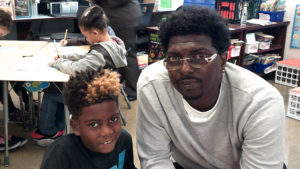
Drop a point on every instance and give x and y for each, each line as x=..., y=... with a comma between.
x=198, y=21
x=91, y=87
x=94, y=17
x=5, y=19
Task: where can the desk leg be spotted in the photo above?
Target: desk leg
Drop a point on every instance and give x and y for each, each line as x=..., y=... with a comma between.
x=5, y=111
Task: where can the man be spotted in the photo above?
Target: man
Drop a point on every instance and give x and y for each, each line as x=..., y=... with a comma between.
x=202, y=111
x=124, y=16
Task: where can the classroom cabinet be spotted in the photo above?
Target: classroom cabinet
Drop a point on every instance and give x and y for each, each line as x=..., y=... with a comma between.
x=278, y=30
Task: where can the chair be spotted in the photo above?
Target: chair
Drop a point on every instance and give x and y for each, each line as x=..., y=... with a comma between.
x=145, y=21
x=60, y=35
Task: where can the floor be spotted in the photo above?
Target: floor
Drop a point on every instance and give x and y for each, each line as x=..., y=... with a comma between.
x=30, y=156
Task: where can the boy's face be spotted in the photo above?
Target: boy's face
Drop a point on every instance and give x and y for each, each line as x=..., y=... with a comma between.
x=3, y=31
x=99, y=126
x=91, y=35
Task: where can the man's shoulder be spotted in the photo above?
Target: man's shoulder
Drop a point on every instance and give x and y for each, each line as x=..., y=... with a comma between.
x=155, y=71
x=243, y=80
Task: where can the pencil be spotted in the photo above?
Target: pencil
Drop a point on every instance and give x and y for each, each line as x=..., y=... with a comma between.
x=66, y=34
x=56, y=48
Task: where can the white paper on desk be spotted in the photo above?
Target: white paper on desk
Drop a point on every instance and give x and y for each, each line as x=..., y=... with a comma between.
x=69, y=50
x=11, y=50
x=30, y=64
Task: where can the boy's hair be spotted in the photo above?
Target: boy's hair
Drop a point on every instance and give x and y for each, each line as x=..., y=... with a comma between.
x=94, y=17
x=91, y=87
x=197, y=21
x=5, y=19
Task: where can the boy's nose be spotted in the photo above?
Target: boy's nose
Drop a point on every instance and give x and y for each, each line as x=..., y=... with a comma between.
x=105, y=131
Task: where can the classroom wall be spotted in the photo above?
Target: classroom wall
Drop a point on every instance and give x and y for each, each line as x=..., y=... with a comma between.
x=289, y=16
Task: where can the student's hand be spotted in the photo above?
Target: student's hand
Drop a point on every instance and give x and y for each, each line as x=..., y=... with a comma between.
x=51, y=64
x=57, y=57
x=63, y=42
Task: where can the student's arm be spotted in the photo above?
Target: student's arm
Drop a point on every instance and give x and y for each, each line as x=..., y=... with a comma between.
x=55, y=157
x=263, y=145
x=93, y=60
x=153, y=143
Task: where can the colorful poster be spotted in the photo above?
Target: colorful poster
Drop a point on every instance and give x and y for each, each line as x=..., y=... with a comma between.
x=295, y=38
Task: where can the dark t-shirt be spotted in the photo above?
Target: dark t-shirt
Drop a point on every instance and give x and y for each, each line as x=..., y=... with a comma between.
x=68, y=152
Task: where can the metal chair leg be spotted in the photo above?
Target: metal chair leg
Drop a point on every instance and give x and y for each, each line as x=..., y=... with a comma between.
x=125, y=97
x=30, y=98
x=123, y=118
x=22, y=109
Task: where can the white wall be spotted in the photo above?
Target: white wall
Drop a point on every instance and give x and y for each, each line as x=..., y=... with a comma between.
x=289, y=16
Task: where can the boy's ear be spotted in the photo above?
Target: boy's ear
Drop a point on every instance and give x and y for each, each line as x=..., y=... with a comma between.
x=75, y=127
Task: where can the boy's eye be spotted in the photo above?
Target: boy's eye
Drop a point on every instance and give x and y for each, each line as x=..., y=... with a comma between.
x=94, y=125
x=114, y=119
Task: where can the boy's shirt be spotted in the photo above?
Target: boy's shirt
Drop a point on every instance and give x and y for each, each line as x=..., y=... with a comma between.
x=68, y=152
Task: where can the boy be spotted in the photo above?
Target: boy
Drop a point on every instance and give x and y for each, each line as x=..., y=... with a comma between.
x=98, y=140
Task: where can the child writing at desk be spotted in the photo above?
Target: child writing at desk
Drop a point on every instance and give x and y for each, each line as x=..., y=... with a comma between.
x=105, y=51
x=98, y=140
x=93, y=25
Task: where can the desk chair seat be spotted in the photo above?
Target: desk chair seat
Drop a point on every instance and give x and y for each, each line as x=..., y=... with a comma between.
x=60, y=35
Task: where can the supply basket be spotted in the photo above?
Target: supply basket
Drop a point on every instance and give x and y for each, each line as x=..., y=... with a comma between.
x=275, y=16
x=287, y=72
x=293, y=109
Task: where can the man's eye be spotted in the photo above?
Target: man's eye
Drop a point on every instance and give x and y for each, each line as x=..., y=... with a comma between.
x=174, y=59
x=93, y=125
x=199, y=56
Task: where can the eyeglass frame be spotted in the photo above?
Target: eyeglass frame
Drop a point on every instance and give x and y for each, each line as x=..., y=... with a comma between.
x=207, y=59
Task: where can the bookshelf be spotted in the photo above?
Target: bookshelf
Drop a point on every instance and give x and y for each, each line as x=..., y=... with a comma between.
x=277, y=29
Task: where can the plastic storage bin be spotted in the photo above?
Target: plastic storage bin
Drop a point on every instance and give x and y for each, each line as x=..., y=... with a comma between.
x=204, y=3
x=276, y=16
x=260, y=68
x=293, y=109
x=287, y=72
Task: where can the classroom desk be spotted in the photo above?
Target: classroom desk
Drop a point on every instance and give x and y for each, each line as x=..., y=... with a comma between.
x=24, y=24
x=33, y=67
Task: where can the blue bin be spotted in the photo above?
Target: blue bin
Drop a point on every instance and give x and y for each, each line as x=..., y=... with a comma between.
x=276, y=16
x=204, y=3
x=260, y=68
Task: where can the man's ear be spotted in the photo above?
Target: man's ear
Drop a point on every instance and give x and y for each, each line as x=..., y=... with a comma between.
x=75, y=127
x=224, y=59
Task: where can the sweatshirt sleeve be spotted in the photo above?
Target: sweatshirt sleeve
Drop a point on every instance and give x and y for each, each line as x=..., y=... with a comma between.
x=93, y=60
x=153, y=142
x=263, y=145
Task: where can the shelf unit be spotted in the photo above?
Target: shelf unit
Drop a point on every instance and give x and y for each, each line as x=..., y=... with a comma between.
x=277, y=29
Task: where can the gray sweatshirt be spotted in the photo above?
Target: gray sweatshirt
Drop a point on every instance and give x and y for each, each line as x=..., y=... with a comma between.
x=69, y=64
x=246, y=131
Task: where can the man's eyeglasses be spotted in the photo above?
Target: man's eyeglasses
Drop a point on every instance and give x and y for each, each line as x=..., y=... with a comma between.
x=195, y=61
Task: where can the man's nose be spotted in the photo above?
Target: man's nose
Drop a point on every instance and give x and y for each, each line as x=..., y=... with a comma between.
x=186, y=67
